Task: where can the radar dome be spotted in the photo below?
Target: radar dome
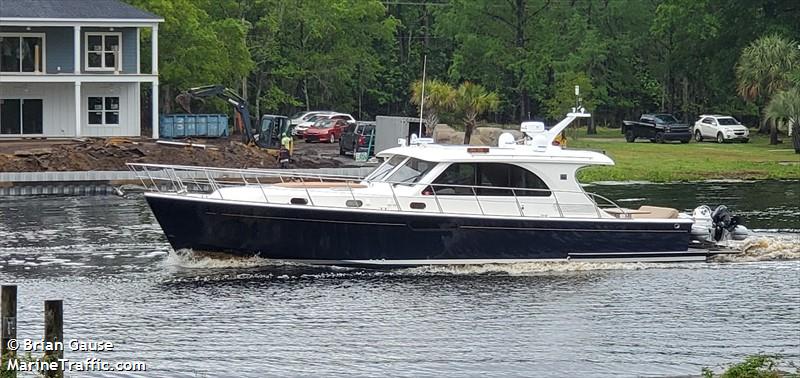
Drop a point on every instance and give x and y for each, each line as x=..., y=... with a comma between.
x=506, y=140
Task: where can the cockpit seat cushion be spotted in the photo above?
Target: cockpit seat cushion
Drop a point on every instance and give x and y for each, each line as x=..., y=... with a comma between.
x=656, y=212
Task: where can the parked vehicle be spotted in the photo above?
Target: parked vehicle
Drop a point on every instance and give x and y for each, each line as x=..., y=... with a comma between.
x=300, y=129
x=358, y=138
x=720, y=128
x=301, y=117
x=328, y=130
x=658, y=128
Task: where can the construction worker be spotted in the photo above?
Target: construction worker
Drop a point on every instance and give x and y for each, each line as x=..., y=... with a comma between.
x=285, y=153
x=288, y=142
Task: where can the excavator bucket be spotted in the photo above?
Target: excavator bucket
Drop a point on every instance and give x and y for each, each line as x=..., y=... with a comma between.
x=184, y=100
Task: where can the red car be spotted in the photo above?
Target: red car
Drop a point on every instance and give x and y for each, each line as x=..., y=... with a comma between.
x=326, y=130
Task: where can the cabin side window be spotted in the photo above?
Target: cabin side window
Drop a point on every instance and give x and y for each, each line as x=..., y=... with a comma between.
x=482, y=175
x=534, y=185
x=456, y=180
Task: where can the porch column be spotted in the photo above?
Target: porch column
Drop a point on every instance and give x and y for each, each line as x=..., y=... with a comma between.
x=154, y=107
x=154, y=71
x=78, y=110
x=154, y=48
x=77, y=54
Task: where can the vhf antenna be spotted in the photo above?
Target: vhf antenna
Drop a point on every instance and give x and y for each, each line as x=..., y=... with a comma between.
x=422, y=101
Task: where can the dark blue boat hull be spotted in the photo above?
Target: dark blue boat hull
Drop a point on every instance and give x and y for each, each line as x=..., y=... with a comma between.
x=346, y=237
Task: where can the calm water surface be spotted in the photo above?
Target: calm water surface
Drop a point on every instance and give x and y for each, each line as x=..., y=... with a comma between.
x=187, y=316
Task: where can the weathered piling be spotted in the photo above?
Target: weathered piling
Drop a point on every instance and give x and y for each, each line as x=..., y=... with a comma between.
x=54, y=335
x=8, y=327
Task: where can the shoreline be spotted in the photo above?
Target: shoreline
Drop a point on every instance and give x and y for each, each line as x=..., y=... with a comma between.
x=98, y=161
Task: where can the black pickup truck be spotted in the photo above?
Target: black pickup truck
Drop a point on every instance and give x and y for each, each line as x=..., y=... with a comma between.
x=659, y=128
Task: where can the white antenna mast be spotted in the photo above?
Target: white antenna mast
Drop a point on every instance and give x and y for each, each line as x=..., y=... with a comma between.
x=422, y=101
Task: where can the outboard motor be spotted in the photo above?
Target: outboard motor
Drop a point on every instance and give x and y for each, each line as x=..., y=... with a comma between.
x=723, y=221
x=716, y=226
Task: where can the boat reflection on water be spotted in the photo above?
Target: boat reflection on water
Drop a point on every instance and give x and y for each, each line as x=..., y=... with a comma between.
x=189, y=265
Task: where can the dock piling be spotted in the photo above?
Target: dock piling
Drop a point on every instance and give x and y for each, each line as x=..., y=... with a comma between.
x=8, y=327
x=53, y=334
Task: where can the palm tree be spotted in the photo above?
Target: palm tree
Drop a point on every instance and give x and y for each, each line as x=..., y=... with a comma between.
x=439, y=98
x=783, y=111
x=473, y=100
x=766, y=67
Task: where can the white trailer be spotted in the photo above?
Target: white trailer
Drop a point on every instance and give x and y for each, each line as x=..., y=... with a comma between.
x=389, y=129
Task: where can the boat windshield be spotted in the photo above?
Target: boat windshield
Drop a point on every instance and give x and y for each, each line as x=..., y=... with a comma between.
x=385, y=168
x=411, y=171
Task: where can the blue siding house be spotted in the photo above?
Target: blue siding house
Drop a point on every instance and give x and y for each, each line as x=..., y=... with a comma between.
x=72, y=68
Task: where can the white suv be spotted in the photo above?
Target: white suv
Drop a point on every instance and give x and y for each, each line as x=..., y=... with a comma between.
x=721, y=128
x=301, y=117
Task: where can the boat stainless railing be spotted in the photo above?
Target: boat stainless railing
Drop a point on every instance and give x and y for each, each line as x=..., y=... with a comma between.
x=207, y=180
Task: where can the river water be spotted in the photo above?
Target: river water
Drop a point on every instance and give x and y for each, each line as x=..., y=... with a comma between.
x=186, y=316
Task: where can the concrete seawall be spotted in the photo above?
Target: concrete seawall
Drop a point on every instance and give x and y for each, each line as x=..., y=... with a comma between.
x=104, y=182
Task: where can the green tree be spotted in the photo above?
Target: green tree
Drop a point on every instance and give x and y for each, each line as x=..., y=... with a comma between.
x=439, y=97
x=361, y=56
x=330, y=54
x=608, y=44
x=783, y=112
x=330, y=50
x=194, y=48
x=766, y=67
x=564, y=98
x=680, y=67
x=505, y=45
x=472, y=100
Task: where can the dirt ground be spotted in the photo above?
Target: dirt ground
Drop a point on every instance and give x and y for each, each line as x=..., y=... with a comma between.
x=111, y=154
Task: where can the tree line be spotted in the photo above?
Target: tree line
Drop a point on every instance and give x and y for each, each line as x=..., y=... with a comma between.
x=363, y=56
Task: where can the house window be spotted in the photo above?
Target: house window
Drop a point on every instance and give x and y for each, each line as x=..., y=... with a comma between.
x=103, y=51
x=22, y=52
x=103, y=111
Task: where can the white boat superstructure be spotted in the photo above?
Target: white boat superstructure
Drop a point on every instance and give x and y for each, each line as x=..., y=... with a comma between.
x=534, y=185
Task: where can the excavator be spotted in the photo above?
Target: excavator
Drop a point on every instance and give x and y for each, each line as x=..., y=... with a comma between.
x=270, y=128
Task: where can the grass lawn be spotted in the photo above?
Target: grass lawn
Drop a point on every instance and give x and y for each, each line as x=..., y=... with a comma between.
x=686, y=162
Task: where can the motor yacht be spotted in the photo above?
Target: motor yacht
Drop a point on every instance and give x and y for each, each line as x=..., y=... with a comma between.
x=518, y=201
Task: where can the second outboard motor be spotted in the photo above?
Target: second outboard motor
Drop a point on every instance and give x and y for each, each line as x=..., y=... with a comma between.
x=723, y=221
